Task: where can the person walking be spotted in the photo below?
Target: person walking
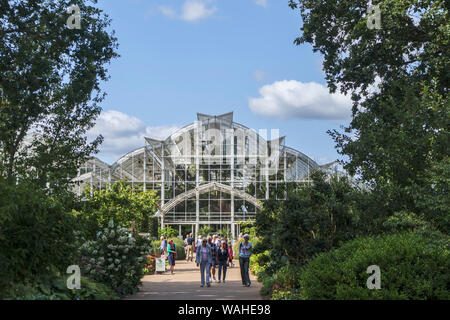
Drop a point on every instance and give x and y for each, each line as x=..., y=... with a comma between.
x=213, y=255
x=172, y=254
x=190, y=250
x=245, y=251
x=222, y=260
x=203, y=258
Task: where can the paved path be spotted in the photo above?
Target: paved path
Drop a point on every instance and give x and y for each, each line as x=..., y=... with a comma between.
x=185, y=285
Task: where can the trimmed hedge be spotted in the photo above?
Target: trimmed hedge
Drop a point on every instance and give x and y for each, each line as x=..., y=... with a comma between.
x=413, y=266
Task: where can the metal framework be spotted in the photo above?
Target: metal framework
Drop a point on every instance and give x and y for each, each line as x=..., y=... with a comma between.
x=213, y=171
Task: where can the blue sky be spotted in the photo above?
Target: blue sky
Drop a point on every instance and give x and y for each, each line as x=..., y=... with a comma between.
x=179, y=57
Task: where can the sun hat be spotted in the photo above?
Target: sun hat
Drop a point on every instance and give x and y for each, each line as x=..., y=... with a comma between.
x=246, y=236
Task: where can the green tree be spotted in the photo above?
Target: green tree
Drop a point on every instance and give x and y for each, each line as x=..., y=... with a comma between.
x=122, y=204
x=398, y=140
x=167, y=232
x=205, y=231
x=313, y=218
x=50, y=79
x=37, y=236
x=412, y=43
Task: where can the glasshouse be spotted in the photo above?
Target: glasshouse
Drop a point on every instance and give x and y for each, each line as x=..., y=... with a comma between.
x=212, y=172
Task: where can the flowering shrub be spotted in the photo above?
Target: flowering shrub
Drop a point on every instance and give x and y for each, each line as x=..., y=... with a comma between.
x=259, y=262
x=283, y=285
x=293, y=294
x=150, y=265
x=115, y=258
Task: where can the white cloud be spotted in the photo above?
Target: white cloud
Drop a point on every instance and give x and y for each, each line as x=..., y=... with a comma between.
x=194, y=10
x=295, y=99
x=190, y=11
x=123, y=133
x=262, y=3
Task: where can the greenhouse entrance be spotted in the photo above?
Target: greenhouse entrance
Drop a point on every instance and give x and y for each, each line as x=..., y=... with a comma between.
x=215, y=205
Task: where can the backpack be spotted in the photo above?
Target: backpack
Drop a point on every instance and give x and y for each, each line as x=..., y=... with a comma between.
x=174, y=249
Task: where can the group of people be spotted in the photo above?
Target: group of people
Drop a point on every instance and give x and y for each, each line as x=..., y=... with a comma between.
x=211, y=254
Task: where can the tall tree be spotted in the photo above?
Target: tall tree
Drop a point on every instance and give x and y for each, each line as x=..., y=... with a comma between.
x=412, y=42
x=398, y=76
x=50, y=77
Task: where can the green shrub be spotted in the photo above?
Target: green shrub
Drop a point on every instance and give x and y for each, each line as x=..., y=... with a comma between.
x=412, y=266
x=405, y=221
x=36, y=235
x=115, y=258
x=259, y=262
x=167, y=232
x=288, y=277
x=313, y=218
x=155, y=247
x=205, y=231
x=268, y=285
x=181, y=254
x=56, y=289
x=293, y=294
x=91, y=290
x=122, y=204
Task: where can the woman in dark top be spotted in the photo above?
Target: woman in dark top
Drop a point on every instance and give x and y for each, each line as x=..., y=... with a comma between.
x=222, y=258
x=172, y=252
